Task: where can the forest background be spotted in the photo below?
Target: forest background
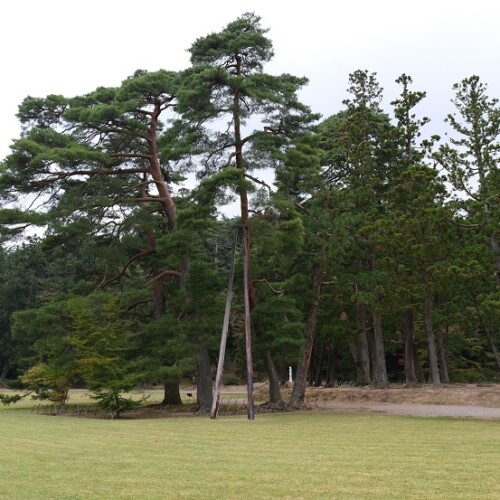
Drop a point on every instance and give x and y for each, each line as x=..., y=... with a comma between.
x=371, y=255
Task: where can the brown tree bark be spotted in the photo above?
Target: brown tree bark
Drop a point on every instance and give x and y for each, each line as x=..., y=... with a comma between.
x=166, y=200
x=204, y=395
x=380, y=380
x=172, y=394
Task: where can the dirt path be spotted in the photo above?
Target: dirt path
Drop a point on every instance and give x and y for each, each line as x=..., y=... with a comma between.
x=416, y=410
x=451, y=400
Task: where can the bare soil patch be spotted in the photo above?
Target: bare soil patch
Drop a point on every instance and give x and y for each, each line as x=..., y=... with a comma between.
x=451, y=400
x=487, y=395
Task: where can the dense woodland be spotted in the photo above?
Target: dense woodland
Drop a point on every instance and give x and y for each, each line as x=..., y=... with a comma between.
x=373, y=257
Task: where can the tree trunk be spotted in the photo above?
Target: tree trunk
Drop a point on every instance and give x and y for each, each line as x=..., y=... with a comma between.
x=299, y=388
x=409, y=354
x=5, y=371
x=330, y=369
x=419, y=372
x=274, y=381
x=165, y=196
x=204, y=395
x=332, y=377
x=380, y=380
x=318, y=367
x=172, y=394
x=493, y=346
x=249, y=291
x=489, y=337
x=248, y=334
x=362, y=350
x=443, y=365
x=431, y=344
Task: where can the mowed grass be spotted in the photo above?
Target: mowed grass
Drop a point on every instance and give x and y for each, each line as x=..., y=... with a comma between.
x=296, y=455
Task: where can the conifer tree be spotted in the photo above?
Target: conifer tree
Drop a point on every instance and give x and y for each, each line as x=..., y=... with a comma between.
x=263, y=114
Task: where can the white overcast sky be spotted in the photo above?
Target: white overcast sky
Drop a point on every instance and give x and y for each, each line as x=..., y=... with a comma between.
x=70, y=47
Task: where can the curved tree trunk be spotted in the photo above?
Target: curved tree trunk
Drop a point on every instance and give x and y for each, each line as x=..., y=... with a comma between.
x=165, y=196
x=274, y=381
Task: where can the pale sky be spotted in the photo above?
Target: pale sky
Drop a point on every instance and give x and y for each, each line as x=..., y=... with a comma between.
x=70, y=47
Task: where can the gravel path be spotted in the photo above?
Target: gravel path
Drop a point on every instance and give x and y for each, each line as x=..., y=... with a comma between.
x=417, y=410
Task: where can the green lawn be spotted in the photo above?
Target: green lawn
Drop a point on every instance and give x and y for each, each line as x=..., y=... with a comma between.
x=299, y=455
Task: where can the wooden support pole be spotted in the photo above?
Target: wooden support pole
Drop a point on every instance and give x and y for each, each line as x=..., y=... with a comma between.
x=225, y=328
x=248, y=332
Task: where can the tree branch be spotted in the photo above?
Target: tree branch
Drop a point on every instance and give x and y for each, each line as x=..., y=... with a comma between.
x=162, y=275
x=263, y=280
x=123, y=271
x=258, y=181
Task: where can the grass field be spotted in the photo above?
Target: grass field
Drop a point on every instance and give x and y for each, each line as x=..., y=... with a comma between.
x=297, y=455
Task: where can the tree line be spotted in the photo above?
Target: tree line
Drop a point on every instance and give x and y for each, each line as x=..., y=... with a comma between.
x=373, y=258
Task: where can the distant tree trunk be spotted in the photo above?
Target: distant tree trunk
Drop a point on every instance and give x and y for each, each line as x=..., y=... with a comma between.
x=487, y=332
x=380, y=380
x=5, y=370
x=409, y=354
x=419, y=372
x=329, y=376
x=299, y=388
x=443, y=365
x=317, y=378
x=492, y=345
x=172, y=394
x=495, y=247
x=362, y=359
x=331, y=363
x=431, y=343
x=204, y=395
x=274, y=381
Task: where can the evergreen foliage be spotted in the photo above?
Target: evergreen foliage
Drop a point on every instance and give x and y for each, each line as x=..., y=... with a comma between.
x=373, y=257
